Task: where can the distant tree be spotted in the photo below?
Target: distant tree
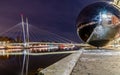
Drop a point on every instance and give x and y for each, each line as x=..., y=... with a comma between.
x=18, y=39
x=6, y=39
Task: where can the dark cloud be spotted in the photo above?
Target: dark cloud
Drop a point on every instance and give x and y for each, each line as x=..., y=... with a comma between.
x=57, y=16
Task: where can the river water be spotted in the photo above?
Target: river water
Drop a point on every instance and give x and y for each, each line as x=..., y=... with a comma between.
x=12, y=65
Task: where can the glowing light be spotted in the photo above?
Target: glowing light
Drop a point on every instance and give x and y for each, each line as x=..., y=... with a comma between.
x=110, y=2
x=25, y=44
x=24, y=52
x=104, y=15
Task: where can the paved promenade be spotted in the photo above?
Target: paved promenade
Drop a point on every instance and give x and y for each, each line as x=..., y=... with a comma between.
x=98, y=62
x=64, y=66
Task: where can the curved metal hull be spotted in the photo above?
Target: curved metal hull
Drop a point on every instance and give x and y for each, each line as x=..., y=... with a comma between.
x=103, y=36
x=98, y=27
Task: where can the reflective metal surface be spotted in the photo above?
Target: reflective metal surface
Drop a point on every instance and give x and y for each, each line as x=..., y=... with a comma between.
x=99, y=23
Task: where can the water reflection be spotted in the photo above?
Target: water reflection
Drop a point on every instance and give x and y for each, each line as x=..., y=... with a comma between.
x=16, y=61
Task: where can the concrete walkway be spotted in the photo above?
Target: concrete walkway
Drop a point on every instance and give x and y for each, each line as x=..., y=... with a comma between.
x=64, y=66
x=98, y=62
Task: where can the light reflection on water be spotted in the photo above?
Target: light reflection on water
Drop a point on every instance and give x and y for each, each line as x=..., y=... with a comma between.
x=12, y=64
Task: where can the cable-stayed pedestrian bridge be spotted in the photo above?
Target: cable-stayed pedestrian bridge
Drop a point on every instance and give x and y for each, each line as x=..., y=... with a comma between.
x=25, y=40
x=24, y=36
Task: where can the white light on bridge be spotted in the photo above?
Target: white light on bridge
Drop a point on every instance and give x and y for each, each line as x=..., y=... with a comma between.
x=24, y=52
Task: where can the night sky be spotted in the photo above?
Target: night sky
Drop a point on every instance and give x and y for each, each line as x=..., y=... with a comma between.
x=57, y=16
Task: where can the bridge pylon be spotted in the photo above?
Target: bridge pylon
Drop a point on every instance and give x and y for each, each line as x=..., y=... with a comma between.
x=25, y=29
x=26, y=46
